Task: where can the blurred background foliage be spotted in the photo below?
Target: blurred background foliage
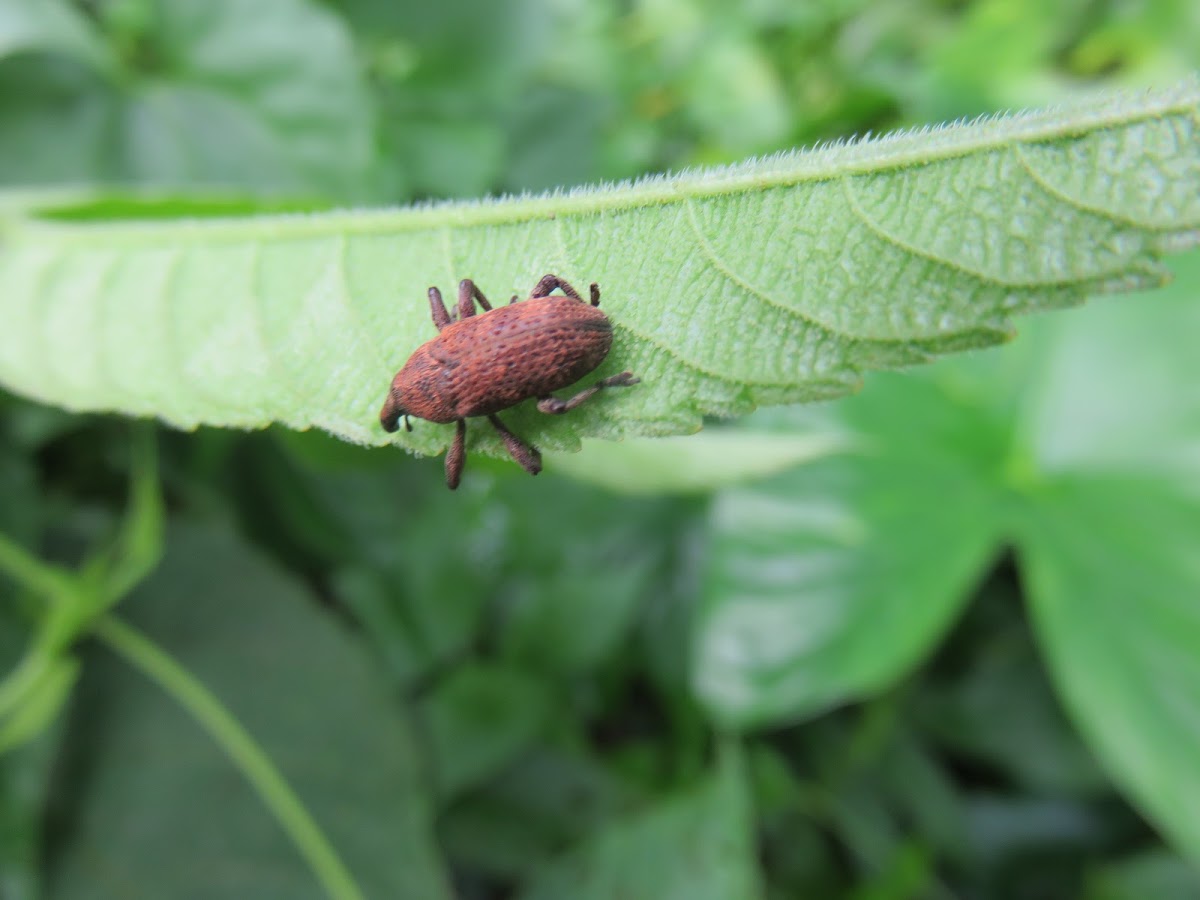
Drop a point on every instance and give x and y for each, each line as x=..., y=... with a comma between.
x=543, y=688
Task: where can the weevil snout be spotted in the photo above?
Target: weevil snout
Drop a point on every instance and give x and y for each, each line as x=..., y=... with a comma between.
x=392, y=413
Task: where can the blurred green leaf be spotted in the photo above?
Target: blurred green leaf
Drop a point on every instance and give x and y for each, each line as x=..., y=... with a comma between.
x=261, y=96
x=1154, y=874
x=18, y=490
x=558, y=592
x=477, y=720
x=697, y=463
x=832, y=580
x=1109, y=541
x=923, y=791
x=282, y=667
x=575, y=583
x=1113, y=577
x=1083, y=444
x=1009, y=831
x=1112, y=391
x=24, y=771
x=57, y=117
x=544, y=801
x=34, y=691
x=25, y=774
x=31, y=26
x=1001, y=711
x=882, y=254
x=694, y=846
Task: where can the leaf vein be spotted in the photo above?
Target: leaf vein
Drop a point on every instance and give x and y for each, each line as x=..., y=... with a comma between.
x=645, y=338
x=1059, y=196
x=726, y=272
x=896, y=241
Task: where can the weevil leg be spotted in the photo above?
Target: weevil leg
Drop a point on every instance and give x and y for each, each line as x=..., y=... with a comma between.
x=456, y=456
x=550, y=282
x=441, y=318
x=555, y=407
x=513, y=300
x=595, y=292
x=527, y=456
x=466, y=290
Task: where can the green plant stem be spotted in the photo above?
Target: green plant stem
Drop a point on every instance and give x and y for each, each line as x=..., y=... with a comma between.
x=36, y=576
x=241, y=749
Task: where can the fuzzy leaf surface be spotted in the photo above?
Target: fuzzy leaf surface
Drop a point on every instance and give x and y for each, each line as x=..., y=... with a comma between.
x=774, y=281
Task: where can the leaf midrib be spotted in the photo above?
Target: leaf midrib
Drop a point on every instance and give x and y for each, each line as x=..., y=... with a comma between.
x=899, y=150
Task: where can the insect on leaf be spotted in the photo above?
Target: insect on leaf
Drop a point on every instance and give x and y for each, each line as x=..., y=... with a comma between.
x=777, y=280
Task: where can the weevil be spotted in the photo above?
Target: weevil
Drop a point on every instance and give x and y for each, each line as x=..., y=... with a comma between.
x=481, y=364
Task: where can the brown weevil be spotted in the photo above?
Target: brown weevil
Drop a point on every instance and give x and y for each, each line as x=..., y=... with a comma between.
x=480, y=364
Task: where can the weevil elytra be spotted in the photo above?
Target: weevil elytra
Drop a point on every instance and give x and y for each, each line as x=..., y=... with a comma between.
x=480, y=364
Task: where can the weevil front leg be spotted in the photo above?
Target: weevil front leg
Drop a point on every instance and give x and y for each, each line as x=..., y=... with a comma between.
x=555, y=407
x=527, y=456
x=441, y=317
x=456, y=456
x=466, y=290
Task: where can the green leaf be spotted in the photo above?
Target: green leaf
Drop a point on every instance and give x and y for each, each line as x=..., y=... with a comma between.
x=34, y=691
x=1081, y=446
x=25, y=774
x=830, y=581
x=262, y=96
x=25, y=770
x=548, y=799
x=698, y=845
x=1109, y=542
x=576, y=584
x=694, y=464
x=775, y=281
x=478, y=720
x=1000, y=711
x=1113, y=576
x=29, y=26
x=1153, y=873
x=300, y=685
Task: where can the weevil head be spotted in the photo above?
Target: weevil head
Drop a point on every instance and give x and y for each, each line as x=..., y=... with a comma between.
x=393, y=411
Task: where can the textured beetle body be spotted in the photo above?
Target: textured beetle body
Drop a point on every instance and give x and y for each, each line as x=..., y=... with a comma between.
x=481, y=364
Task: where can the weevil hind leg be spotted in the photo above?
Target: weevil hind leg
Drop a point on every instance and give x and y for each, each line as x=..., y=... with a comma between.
x=441, y=317
x=468, y=290
x=555, y=407
x=526, y=455
x=456, y=456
